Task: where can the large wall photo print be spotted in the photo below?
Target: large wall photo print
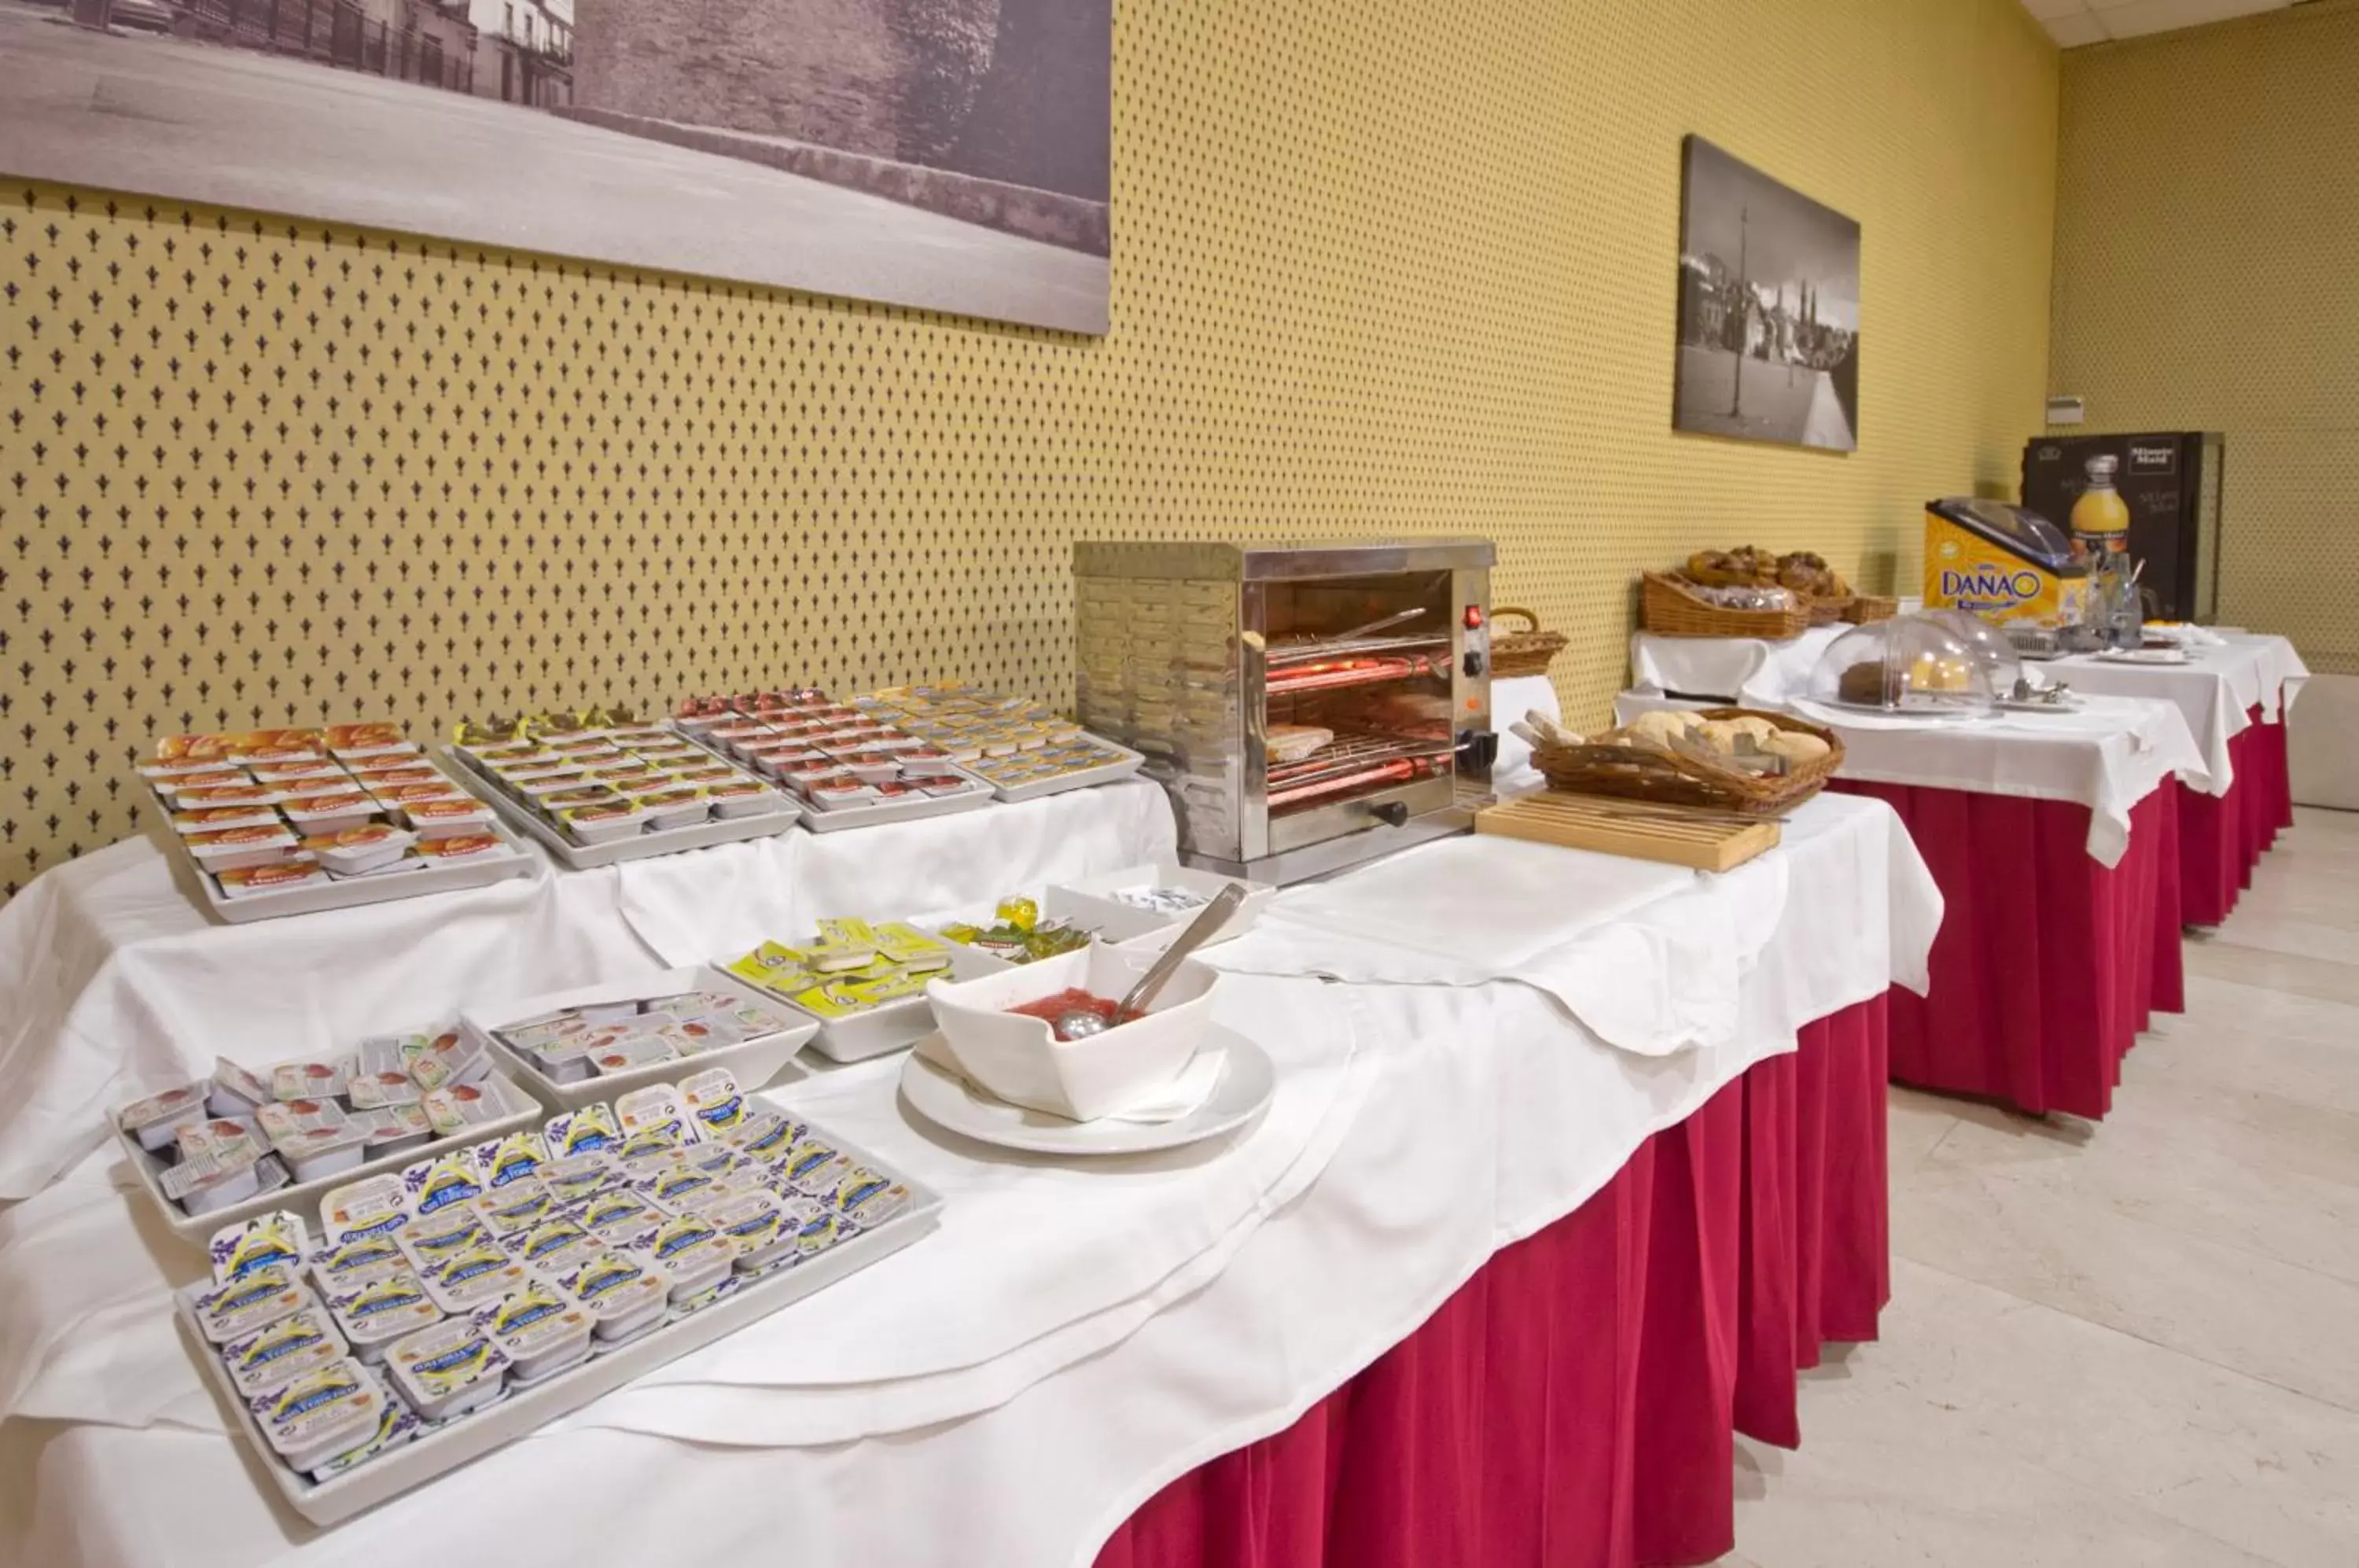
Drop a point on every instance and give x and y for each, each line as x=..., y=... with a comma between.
x=1769, y=308
x=951, y=154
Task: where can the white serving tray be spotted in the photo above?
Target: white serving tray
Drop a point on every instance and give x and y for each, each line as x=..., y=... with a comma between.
x=305, y=1195
x=755, y=1063
x=1087, y=900
x=438, y=1452
x=893, y=1026
x=641, y=846
x=1109, y=773
x=835, y=818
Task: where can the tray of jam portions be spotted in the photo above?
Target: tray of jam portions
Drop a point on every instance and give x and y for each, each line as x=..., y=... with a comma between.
x=851, y=770
x=248, y=1140
x=288, y=822
x=430, y=1315
x=1020, y=748
x=1144, y=907
x=598, y=787
x=866, y=984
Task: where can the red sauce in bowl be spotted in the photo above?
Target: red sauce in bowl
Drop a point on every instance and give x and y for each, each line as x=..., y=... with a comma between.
x=1074, y=1000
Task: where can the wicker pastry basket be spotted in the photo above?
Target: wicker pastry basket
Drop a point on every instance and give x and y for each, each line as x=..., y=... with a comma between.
x=1525, y=652
x=1677, y=778
x=1670, y=606
x=1867, y=607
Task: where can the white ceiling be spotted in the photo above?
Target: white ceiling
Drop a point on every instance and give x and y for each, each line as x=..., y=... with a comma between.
x=2076, y=22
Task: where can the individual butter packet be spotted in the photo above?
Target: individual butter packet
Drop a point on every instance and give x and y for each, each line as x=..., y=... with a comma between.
x=376, y=1207
x=374, y=1314
x=323, y=1413
x=765, y=1135
x=438, y=1182
x=654, y=1110
x=309, y=1080
x=619, y=1214
x=275, y=1240
x=815, y=1166
x=471, y=1276
x=512, y=1157
x=678, y=1185
x=574, y=1180
x=517, y=1205
x=345, y=1268
x=822, y=1231
x=550, y=1244
x=271, y=1357
x=448, y=1369
x=588, y=1130
x=868, y=1198
x=775, y=966
x=622, y=1291
x=759, y=1227
x=397, y=1426
x=689, y=1250
x=430, y=1238
x=711, y=1100
x=233, y=1311
x=539, y=1327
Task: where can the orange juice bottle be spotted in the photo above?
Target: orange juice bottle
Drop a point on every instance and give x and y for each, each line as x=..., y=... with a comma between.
x=2101, y=514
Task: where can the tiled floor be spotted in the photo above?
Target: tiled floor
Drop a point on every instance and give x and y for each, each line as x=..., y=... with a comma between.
x=2135, y=1343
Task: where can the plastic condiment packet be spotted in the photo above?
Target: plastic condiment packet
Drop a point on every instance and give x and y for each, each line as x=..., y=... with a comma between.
x=590, y=1129
x=275, y=1240
x=775, y=967
x=154, y=1119
x=765, y=1135
x=868, y=1198
x=442, y=1366
x=232, y=1311
x=655, y=1109
x=323, y=1412
x=571, y=1181
x=452, y=1057
x=471, y=1276
x=509, y=1159
x=271, y=1357
x=232, y=1082
x=536, y=1323
x=212, y=1155
x=901, y=941
x=341, y=1270
x=619, y=1214
x=289, y=1123
x=436, y=1184
x=397, y=1426
x=615, y=1285
x=454, y=1109
x=633, y=1050
x=551, y=1244
x=711, y=1100
x=309, y=1080
x=517, y=1205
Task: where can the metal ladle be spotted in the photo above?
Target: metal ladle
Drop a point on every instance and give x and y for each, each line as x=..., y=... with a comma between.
x=1082, y=1023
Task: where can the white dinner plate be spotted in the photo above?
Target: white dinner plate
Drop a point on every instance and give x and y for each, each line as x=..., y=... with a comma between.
x=1248, y=1081
x=2069, y=705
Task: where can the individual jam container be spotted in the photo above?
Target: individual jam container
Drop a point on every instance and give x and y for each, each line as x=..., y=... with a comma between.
x=623, y=1294
x=471, y=1275
x=269, y=1358
x=668, y=808
x=566, y=1060
x=688, y=1251
x=397, y=1426
x=448, y=1370
x=455, y=1107
x=326, y=1411
x=223, y=818
x=873, y=766
x=396, y=777
x=760, y=1227
x=350, y=741
x=942, y=789
x=551, y=1245
x=575, y=796
x=541, y=1329
x=603, y=823
x=618, y=1214
x=708, y=771
x=369, y=847
x=404, y=796
x=832, y=794
x=234, y=849
x=744, y=798
x=157, y=1120
x=236, y=1090
x=387, y=1086
x=296, y=772
x=452, y=1056
x=330, y=811
x=250, y=1303
x=443, y=819
x=392, y=1129
x=284, y=876
x=220, y=1165
x=459, y=848
x=318, y=1151
x=631, y=1051
x=287, y=1118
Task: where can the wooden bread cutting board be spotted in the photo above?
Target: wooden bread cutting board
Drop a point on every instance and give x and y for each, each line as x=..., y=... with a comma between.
x=1704, y=839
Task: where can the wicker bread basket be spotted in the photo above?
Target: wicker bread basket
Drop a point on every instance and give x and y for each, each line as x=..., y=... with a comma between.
x=1828, y=611
x=1677, y=779
x=1525, y=652
x=1670, y=606
x=1867, y=607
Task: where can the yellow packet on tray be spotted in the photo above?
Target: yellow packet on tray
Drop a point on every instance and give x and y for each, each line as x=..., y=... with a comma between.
x=774, y=966
x=901, y=941
x=846, y=933
x=842, y=998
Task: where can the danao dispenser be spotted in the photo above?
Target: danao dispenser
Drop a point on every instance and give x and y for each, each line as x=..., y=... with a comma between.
x=2010, y=566
x=1308, y=706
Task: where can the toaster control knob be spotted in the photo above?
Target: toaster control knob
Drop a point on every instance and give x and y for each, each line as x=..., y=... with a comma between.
x=1473, y=665
x=1392, y=813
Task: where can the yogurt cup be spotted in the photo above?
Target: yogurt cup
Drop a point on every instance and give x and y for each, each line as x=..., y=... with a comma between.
x=467, y=1278
x=688, y=1251
x=377, y=1313
x=397, y=1426
x=269, y=1358
x=157, y=1120
x=624, y=1295
x=540, y=1328
x=253, y=1301
x=326, y=1411
x=448, y=1370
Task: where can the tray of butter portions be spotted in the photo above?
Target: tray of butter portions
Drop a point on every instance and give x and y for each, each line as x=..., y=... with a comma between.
x=599, y=787
x=570, y=1048
x=415, y=1320
x=245, y=1139
x=864, y=984
x=286, y=821
x=849, y=768
x=1022, y=750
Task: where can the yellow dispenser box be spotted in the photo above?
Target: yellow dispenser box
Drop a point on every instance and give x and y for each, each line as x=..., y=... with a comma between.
x=2002, y=563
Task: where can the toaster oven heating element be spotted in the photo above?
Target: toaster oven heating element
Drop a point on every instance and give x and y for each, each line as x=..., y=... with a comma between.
x=1307, y=707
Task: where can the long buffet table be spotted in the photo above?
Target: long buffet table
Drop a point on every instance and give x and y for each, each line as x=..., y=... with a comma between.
x=1478, y=1281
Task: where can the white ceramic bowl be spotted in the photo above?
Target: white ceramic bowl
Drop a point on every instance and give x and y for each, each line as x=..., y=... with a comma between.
x=1020, y=1060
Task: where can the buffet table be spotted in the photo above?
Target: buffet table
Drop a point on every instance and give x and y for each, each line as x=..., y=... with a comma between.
x=2054, y=839
x=1519, y=1280
x=2235, y=697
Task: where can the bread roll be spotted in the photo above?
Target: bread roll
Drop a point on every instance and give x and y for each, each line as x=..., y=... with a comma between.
x=1796, y=747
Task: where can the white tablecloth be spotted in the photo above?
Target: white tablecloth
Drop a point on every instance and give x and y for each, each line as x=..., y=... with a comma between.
x=2108, y=757
x=114, y=984
x=1512, y=772
x=1486, y=1114
x=2217, y=690
x=1752, y=671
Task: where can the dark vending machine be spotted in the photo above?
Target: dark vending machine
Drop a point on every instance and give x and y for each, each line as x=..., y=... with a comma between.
x=2171, y=481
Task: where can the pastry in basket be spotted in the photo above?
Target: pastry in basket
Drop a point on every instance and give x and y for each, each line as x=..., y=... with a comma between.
x=1292, y=743
x=1738, y=568
x=1796, y=747
x=1806, y=572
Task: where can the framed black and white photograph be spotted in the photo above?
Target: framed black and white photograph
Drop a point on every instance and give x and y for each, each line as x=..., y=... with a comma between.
x=1769, y=308
x=946, y=154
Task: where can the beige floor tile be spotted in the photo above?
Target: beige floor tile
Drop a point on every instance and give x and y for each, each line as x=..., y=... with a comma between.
x=2245, y=1005
x=2306, y=929
x=2294, y=974
x=1918, y=1121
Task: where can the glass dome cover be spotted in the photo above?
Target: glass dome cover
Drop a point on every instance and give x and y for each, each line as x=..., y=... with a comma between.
x=1910, y=664
x=1988, y=644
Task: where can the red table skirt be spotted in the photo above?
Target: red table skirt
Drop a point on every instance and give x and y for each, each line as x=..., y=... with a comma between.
x=2222, y=837
x=2048, y=964
x=1573, y=1403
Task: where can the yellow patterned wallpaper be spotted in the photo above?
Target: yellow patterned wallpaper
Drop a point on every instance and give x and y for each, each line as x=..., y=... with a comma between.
x=2207, y=223
x=1377, y=269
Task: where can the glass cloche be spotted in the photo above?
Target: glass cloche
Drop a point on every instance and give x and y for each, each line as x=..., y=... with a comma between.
x=1910, y=664
x=1989, y=646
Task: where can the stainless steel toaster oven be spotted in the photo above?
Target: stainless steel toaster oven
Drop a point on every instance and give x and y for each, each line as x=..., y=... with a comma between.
x=1308, y=706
